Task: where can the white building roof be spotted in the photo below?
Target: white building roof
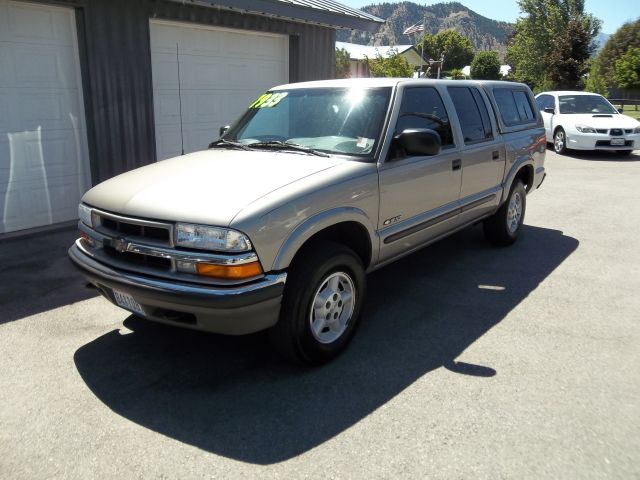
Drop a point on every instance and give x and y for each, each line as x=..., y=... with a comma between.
x=360, y=52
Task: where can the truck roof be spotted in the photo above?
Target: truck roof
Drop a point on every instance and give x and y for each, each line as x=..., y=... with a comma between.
x=391, y=82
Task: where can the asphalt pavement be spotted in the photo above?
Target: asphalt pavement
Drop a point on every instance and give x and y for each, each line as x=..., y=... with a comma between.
x=471, y=362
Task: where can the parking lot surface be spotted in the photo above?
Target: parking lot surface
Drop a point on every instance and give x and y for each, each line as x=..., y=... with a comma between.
x=471, y=362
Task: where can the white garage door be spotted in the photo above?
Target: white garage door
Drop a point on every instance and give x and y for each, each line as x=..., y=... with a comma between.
x=221, y=72
x=43, y=151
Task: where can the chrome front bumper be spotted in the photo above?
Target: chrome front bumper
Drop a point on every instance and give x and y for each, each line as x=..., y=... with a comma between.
x=233, y=310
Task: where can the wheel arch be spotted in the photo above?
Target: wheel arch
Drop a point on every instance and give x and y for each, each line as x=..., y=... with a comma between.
x=524, y=171
x=347, y=226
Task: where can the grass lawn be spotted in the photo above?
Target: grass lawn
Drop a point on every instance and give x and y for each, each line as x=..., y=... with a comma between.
x=631, y=111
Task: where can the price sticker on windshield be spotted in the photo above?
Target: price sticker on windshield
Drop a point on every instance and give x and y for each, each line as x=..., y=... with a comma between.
x=269, y=100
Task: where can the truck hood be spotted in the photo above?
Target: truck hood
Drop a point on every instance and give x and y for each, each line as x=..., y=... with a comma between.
x=598, y=121
x=207, y=187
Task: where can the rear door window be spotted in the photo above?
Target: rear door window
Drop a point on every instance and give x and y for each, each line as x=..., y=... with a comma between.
x=514, y=106
x=472, y=113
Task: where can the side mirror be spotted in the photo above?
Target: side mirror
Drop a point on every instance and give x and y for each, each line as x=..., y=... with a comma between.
x=549, y=110
x=419, y=141
x=621, y=110
x=224, y=129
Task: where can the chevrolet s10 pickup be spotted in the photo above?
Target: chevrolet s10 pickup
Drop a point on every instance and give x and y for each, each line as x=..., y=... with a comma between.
x=276, y=224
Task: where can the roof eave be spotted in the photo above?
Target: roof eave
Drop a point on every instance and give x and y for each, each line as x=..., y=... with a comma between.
x=296, y=13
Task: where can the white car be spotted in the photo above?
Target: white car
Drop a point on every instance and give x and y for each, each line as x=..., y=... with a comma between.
x=586, y=121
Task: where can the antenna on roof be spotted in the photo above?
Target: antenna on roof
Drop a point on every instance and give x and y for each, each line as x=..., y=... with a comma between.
x=180, y=99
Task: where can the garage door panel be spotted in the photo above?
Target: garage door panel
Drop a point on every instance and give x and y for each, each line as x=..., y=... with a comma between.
x=43, y=152
x=47, y=109
x=165, y=70
x=164, y=37
x=204, y=42
x=4, y=107
x=36, y=154
x=42, y=66
x=34, y=203
x=167, y=108
x=202, y=72
x=38, y=25
x=221, y=72
x=199, y=136
x=203, y=107
x=168, y=142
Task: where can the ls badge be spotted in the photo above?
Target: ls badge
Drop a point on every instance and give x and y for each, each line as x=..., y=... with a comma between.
x=391, y=220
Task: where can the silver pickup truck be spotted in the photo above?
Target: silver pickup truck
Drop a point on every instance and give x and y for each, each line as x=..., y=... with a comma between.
x=276, y=224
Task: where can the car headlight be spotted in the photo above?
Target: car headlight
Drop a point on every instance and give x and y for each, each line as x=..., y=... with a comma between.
x=585, y=129
x=636, y=130
x=84, y=214
x=210, y=238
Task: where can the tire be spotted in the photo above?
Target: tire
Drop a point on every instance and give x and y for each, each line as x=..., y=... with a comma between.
x=503, y=227
x=560, y=141
x=331, y=273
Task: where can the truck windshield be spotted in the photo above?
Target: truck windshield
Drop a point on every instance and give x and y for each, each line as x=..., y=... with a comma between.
x=585, y=104
x=345, y=121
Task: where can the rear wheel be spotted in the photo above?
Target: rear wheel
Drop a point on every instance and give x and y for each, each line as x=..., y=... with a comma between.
x=321, y=305
x=560, y=141
x=503, y=227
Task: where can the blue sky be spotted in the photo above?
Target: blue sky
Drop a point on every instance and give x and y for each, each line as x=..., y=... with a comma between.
x=613, y=13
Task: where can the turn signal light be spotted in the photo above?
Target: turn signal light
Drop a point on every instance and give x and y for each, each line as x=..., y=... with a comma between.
x=229, y=272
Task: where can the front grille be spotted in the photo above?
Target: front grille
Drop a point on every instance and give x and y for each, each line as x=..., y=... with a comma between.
x=118, y=226
x=628, y=130
x=616, y=132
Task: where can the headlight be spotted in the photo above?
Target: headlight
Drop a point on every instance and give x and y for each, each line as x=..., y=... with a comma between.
x=585, y=129
x=210, y=238
x=84, y=214
x=636, y=130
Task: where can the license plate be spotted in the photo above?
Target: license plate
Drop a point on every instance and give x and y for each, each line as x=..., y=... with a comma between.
x=617, y=141
x=126, y=301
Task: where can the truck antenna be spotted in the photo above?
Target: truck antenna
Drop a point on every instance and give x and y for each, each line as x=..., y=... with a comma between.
x=180, y=99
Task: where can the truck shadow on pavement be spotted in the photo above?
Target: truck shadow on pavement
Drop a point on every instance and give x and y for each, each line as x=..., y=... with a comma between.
x=36, y=275
x=233, y=397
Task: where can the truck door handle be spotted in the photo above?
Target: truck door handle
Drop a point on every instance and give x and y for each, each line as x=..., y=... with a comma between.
x=456, y=164
x=495, y=154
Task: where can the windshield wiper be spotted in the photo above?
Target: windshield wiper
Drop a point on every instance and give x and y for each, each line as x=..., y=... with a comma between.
x=228, y=143
x=280, y=145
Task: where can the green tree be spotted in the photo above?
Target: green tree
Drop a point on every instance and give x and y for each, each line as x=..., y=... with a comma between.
x=550, y=33
x=343, y=63
x=486, y=66
x=392, y=65
x=457, y=74
x=457, y=50
x=626, y=70
x=626, y=37
x=568, y=61
x=596, y=82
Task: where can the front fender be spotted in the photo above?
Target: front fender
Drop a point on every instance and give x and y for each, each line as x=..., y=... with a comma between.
x=318, y=222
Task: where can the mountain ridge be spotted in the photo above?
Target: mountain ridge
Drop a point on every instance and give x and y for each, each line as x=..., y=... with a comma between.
x=484, y=33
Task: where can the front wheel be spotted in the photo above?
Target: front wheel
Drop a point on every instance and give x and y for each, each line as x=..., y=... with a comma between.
x=560, y=142
x=321, y=305
x=503, y=227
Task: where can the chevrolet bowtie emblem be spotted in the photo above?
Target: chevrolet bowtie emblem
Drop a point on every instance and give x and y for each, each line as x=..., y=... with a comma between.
x=119, y=244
